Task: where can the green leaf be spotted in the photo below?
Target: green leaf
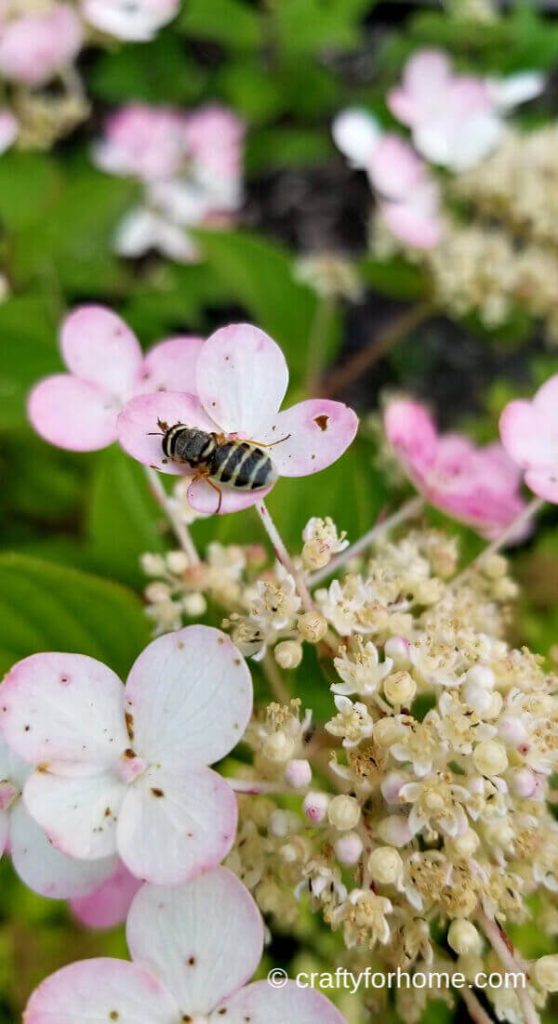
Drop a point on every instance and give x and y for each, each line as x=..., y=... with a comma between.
x=395, y=278
x=261, y=278
x=157, y=72
x=124, y=520
x=232, y=23
x=29, y=184
x=28, y=352
x=44, y=607
x=308, y=26
x=286, y=147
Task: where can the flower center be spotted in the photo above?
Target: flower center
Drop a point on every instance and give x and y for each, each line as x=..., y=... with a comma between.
x=130, y=766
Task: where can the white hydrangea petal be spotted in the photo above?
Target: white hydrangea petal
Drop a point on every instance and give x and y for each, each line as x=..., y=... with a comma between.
x=512, y=90
x=204, y=939
x=356, y=133
x=78, y=814
x=46, y=870
x=172, y=828
x=242, y=378
x=190, y=697
x=64, y=711
x=91, y=991
x=260, y=1003
x=4, y=830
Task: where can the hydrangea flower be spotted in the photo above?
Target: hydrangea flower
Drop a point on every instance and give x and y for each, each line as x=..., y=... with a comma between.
x=529, y=432
x=138, y=21
x=240, y=382
x=477, y=486
x=35, y=47
x=39, y=864
x=456, y=120
x=408, y=196
x=123, y=769
x=190, y=165
x=193, y=950
x=78, y=410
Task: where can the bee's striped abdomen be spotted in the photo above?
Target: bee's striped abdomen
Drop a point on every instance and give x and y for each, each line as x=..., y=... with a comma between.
x=242, y=465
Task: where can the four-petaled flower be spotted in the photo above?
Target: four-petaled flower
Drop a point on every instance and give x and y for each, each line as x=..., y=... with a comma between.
x=124, y=769
x=529, y=432
x=78, y=410
x=193, y=950
x=476, y=486
x=35, y=47
x=240, y=381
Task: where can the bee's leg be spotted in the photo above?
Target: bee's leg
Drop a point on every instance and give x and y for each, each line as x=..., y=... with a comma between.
x=261, y=444
x=204, y=476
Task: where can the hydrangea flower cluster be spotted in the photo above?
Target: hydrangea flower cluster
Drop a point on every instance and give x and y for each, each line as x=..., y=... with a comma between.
x=190, y=167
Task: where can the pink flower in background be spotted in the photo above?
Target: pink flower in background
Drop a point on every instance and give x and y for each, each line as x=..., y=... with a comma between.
x=476, y=486
x=408, y=196
x=138, y=21
x=108, y=905
x=240, y=382
x=191, y=166
x=193, y=951
x=529, y=432
x=456, y=120
x=124, y=769
x=35, y=47
x=39, y=864
x=78, y=410
x=9, y=129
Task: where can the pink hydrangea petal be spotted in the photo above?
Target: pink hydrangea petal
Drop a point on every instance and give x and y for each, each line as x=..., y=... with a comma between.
x=73, y=414
x=138, y=422
x=544, y=483
x=204, y=498
x=204, y=940
x=468, y=95
x=190, y=697
x=260, y=1003
x=96, y=990
x=100, y=348
x=64, y=711
x=427, y=72
x=171, y=366
x=108, y=905
x=546, y=400
x=411, y=225
x=242, y=378
x=173, y=826
x=394, y=167
x=403, y=106
x=316, y=433
x=411, y=432
x=35, y=46
x=78, y=814
x=46, y=870
x=525, y=434
x=4, y=830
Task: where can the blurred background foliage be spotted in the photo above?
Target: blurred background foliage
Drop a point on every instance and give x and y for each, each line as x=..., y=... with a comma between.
x=72, y=527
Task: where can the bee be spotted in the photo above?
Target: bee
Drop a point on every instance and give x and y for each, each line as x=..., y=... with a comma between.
x=243, y=465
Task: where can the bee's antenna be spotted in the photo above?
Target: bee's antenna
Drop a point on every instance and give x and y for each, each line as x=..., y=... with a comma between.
x=155, y=433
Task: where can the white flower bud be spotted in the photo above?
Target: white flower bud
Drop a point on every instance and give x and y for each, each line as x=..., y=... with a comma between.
x=395, y=830
x=385, y=865
x=397, y=648
x=178, y=562
x=348, y=848
x=298, y=774
x=494, y=567
x=546, y=973
x=386, y=731
x=279, y=824
x=429, y=591
x=463, y=937
x=153, y=565
x=278, y=747
x=477, y=697
x=481, y=675
x=312, y=627
x=194, y=605
x=464, y=845
x=288, y=654
x=315, y=806
x=344, y=812
x=512, y=730
x=392, y=785
x=157, y=592
x=523, y=783
x=490, y=758
x=400, y=688
x=506, y=590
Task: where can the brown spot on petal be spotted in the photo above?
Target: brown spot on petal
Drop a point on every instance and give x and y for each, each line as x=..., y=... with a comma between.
x=157, y=792
x=114, y=1015
x=129, y=725
x=191, y=961
x=321, y=421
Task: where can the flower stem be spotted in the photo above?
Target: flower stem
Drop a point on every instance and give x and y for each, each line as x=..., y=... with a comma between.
x=366, y=357
x=253, y=787
x=528, y=512
x=477, y=1012
x=407, y=511
x=506, y=955
x=181, y=531
x=276, y=684
x=283, y=555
